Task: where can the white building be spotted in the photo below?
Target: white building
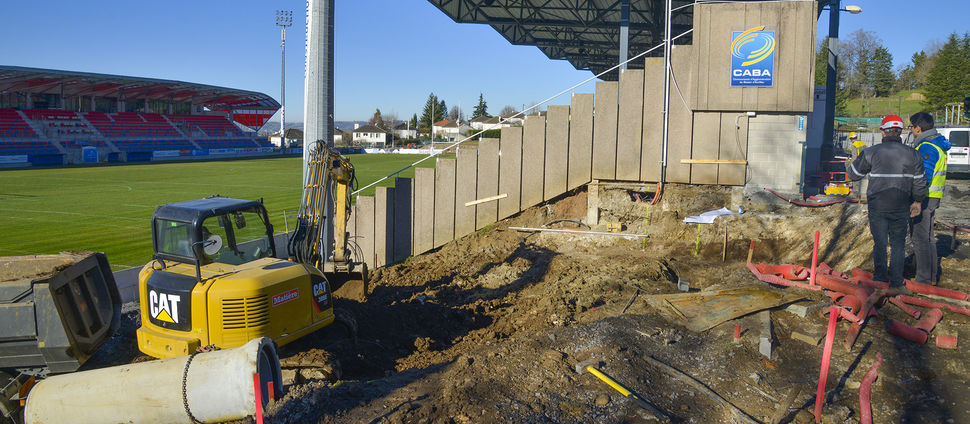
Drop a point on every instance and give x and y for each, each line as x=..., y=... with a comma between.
x=489, y=123
x=369, y=134
x=449, y=129
x=405, y=132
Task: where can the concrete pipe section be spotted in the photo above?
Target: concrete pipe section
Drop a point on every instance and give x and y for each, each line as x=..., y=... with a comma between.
x=206, y=387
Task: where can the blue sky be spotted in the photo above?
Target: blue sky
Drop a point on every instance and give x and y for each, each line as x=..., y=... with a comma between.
x=389, y=53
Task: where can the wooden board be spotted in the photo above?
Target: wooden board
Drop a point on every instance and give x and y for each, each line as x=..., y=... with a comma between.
x=706, y=309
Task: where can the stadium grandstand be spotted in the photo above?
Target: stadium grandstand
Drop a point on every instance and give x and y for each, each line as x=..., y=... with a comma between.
x=53, y=117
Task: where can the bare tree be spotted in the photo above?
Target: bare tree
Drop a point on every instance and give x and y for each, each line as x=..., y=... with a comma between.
x=507, y=111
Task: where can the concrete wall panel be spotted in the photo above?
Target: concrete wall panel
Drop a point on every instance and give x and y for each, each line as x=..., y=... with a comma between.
x=423, y=218
x=402, y=219
x=604, y=130
x=351, y=234
x=488, y=170
x=681, y=117
x=557, y=151
x=510, y=171
x=629, y=128
x=365, y=229
x=444, y=202
x=707, y=132
x=652, y=139
x=733, y=146
x=383, y=225
x=580, y=140
x=533, y=160
x=465, y=188
x=774, y=158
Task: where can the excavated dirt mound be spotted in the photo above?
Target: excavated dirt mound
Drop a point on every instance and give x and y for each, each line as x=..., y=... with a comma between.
x=490, y=328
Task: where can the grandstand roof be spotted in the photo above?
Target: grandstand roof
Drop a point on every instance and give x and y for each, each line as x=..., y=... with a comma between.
x=584, y=32
x=51, y=81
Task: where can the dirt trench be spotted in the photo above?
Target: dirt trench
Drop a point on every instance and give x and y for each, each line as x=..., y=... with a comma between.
x=490, y=328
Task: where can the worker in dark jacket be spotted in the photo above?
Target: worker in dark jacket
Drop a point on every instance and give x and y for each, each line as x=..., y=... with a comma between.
x=932, y=148
x=896, y=190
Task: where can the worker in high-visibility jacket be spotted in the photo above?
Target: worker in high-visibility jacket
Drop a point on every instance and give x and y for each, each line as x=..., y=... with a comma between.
x=932, y=147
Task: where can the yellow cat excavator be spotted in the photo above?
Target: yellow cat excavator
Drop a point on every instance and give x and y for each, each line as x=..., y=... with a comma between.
x=216, y=278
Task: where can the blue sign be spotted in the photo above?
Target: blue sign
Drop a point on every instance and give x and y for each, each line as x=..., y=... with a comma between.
x=753, y=58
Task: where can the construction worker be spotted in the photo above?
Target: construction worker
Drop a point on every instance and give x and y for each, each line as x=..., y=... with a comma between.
x=895, y=194
x=932, y=147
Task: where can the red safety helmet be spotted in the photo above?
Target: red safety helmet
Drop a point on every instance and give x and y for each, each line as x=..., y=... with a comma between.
x=892, y=121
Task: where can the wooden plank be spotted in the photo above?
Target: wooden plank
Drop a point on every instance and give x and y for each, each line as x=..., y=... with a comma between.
x=510, y=171
x=557, y=151
x=487, y=199
x=533, y=160
x=488, y=169
x=444, y=201
x=705, y=310
x=365, y=229
x=803, y=87
x=714, y=161
x=383, y=225
x=733, y=146
x=629, y=125
x=702, y=42
x=604, y=130
x=465, y=191
x=402, y=219
x=423, y=217
x=580, y=140
x=725, y=19
x=681, y=117
x=786, y=37
x=653, y=97
x=707, y=130
x=752, y=18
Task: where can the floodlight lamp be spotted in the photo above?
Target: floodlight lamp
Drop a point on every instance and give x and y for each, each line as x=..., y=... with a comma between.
x=855, y=10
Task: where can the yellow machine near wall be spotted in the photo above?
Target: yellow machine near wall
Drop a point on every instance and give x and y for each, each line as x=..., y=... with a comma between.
x=216, y=278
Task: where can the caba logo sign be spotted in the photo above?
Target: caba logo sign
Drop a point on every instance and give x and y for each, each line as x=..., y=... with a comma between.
x=753, y=58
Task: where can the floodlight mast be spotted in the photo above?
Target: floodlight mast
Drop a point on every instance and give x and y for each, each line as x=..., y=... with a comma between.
x=284, y=19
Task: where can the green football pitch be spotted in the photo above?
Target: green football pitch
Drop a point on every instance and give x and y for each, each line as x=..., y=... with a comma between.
x=109, y=208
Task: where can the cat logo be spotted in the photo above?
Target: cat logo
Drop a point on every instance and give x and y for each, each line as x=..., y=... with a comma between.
x=164, y=307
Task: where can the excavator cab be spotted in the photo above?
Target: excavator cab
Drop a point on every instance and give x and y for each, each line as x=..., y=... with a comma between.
x=213, y=229
x=216, y=280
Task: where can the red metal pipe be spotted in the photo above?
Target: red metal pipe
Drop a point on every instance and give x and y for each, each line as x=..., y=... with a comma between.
x=936, y=291
x=259, y=401
x=832, y=282
x=823, y=374
x=918, y=287
x=912, y=334
x=929, y=320
x=809, y=204
x=946, y=342
x=953, y=227
x=895, y=300
x=737, y=331
x=865, y=389
x=814, y=259
x=786, y=271
x=929, y=304
x=774, y=279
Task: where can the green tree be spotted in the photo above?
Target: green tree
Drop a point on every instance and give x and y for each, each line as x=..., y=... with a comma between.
x=414, y=121
x=883, y=78
x=913, y=75
x=947, y=81
x=443, y=108
x=432, y=112
x=377, y=120
x=481, y=109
